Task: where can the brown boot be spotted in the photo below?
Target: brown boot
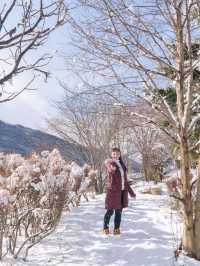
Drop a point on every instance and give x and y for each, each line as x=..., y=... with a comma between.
x=105, y=231
x=116, y=231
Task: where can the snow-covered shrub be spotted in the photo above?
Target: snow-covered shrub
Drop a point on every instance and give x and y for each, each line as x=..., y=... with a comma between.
x=82, y=181
x=33, y=193
x=9, y=162
x=34, y=190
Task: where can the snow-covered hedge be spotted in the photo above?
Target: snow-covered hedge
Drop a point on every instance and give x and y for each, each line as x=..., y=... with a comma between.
x=82, y=181
x=34, y=190
x=33, y=193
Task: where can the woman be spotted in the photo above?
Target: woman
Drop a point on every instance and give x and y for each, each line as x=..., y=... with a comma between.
x=117, y=189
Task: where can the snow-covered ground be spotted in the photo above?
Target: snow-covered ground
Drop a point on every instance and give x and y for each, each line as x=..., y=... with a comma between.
x=147, y=237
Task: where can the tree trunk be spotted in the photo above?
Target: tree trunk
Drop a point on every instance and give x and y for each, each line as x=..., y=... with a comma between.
x=197, y=214
x=188, y=221
x=144, y=169
x=1, y=244
x=99, y=187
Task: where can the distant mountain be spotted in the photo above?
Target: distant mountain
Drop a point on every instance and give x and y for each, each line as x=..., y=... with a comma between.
x=133, y=163
x=134, y=166
x=23, y=140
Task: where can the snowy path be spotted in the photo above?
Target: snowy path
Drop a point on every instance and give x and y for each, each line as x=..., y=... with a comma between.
x=146, y=237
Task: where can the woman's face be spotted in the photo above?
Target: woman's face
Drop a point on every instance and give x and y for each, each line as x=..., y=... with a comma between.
x=115, y=155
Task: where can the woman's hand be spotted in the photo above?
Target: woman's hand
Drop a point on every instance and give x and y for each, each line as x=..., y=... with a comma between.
x=134, y=195
x=131, y=192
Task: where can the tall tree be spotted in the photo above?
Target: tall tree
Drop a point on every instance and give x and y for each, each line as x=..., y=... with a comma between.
x=124, y=41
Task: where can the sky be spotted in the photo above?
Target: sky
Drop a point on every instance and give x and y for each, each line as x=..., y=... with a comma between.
x=32, y=107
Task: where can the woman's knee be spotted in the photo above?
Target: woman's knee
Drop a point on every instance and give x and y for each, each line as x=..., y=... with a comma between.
x=118, y=211
x=111, y=212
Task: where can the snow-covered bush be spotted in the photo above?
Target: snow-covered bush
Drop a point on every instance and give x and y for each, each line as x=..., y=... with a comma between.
x=33, y=192
x=82, y=181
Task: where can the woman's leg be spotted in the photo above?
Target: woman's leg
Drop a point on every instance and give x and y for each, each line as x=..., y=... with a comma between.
x=118, y=212
x=117, y=220
x=122, y=198
x=107, y=217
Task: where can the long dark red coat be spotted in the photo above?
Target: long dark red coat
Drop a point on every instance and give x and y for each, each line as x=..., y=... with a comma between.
x=113, y=190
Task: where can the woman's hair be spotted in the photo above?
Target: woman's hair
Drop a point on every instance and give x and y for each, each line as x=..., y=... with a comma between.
x=115, y=149
x=122, y=164
x=114, y=164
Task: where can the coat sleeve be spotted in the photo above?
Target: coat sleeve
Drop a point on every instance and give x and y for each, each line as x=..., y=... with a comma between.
x=131, y=192
x=109, y=179
x=108, y=165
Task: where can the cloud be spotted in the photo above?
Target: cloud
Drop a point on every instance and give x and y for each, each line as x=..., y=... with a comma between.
x=28, y=109
x=32, y=107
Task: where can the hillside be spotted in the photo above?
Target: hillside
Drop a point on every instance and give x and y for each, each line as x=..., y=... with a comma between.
x=23, y=140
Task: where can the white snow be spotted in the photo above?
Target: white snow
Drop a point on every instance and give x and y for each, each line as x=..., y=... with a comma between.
x=149, y=237
x=76, y=170
x=4, y=197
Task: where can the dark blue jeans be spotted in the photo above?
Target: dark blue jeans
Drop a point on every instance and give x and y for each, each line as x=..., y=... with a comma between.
x=118, y=215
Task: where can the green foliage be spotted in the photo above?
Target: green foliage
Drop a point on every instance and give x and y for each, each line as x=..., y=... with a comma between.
x=196, y=75
x=164, y=123
x=170, y=96
x=195, y=50
x=196, y=14
x=169, y=93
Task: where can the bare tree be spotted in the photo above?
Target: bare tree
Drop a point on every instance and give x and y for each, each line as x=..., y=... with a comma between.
x=123, y=42
x=148, y=144
x=136, y=135
x=25, y=26
x=91, y=125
